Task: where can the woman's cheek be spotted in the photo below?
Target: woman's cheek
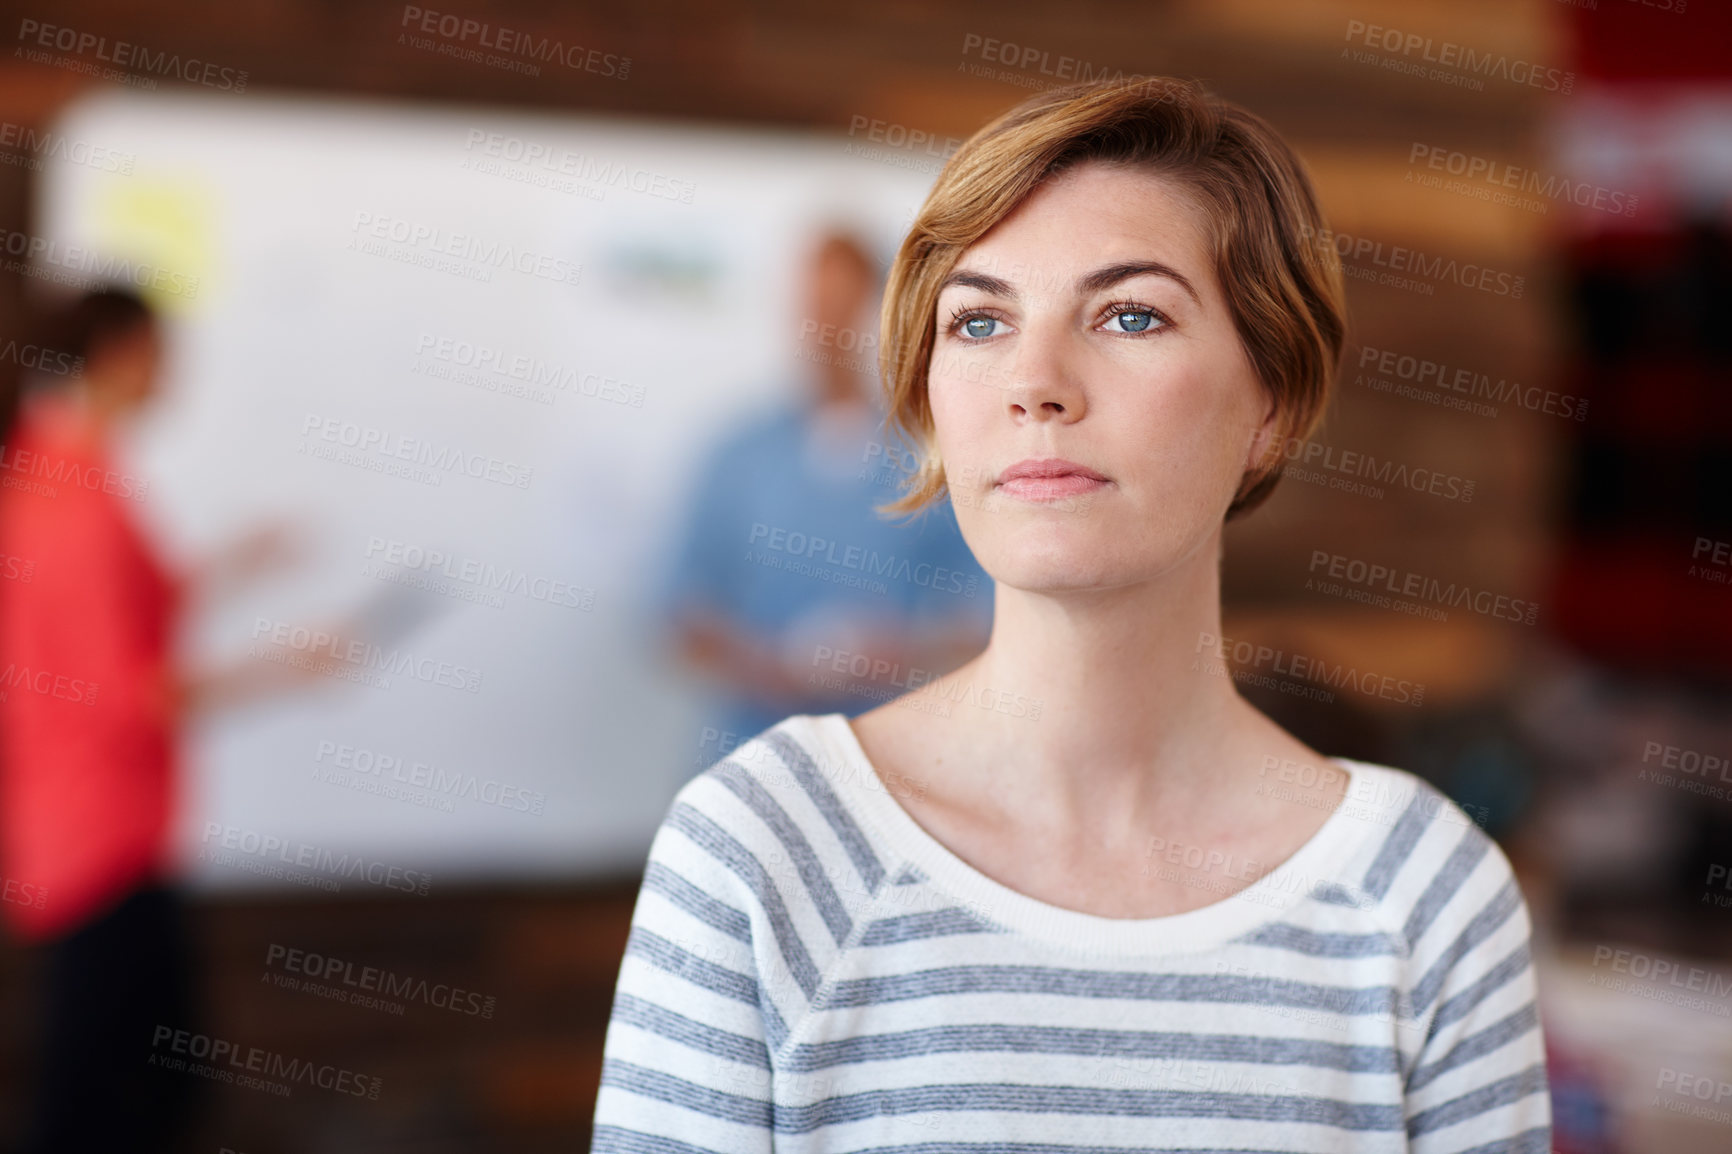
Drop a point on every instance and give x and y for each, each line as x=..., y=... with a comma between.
x=1216, y=419
x=958, y=416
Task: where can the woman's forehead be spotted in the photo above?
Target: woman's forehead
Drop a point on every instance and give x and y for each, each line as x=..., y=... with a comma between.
x=1093, y=215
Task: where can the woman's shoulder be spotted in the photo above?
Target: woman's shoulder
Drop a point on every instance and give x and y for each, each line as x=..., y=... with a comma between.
x=1421, y=858
x=783, y=794
x=775, y=759
x=1391, y=797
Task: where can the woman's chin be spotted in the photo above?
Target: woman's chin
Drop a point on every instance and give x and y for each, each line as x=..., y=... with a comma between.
x=1054, y=569
x=1057, y=557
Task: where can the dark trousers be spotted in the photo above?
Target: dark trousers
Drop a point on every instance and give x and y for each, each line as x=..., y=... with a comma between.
x=110, y=984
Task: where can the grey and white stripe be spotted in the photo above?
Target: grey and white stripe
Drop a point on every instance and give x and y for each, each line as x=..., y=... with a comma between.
x=798, y=979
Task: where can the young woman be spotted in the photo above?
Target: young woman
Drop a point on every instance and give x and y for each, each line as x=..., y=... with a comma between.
x=1079, y=895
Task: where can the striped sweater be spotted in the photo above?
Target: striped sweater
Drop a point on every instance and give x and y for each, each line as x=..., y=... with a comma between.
x=809, y=970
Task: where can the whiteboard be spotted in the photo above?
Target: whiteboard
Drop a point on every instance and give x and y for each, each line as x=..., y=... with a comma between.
x=473, y=350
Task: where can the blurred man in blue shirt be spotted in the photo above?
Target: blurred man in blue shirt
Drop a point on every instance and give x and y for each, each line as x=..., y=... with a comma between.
x=788, y=588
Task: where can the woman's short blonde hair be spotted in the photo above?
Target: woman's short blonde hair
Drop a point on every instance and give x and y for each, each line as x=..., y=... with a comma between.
x=1283, y=288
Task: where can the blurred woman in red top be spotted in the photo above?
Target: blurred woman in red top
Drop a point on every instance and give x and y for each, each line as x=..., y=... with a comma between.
x=86, y=788
x=87, y=751
x=90, y=705
x=87, y=746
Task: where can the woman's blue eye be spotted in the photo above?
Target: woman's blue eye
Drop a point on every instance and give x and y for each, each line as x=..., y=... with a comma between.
x=1133, y=322
x=979, y=326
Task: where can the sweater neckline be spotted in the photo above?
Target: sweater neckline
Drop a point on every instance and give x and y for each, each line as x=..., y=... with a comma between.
x=1317, y=861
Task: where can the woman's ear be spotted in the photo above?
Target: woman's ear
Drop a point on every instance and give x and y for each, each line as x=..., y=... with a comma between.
x=1263, y=438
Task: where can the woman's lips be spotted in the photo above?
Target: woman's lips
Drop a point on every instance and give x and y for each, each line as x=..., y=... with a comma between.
x=1049, y=479
x=1051, y=488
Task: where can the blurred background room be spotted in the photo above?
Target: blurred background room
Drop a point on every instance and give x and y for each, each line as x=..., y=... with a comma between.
x=491, y=384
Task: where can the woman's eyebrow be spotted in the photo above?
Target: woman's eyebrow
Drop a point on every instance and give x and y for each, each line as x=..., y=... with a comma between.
x=962, y=278
x=1101, y=278
x=1112, y=274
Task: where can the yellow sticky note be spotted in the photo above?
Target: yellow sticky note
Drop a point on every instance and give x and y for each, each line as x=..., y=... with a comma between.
x=160, y=233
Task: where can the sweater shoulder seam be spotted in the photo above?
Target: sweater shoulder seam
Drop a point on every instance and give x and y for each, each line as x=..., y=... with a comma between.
x=828, y=975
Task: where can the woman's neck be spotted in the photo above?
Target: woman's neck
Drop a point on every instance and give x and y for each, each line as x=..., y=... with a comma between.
x=1136, y=716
